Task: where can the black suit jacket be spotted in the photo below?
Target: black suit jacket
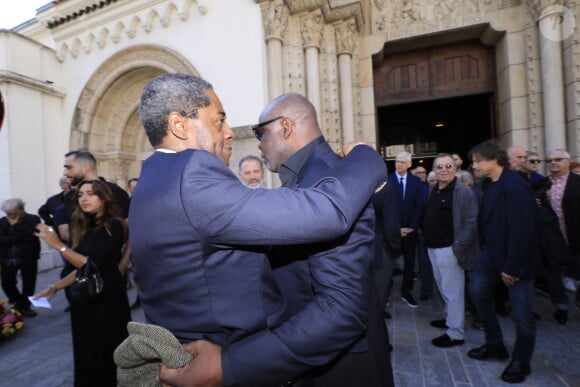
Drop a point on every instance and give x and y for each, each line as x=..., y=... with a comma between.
x=571, y=209
x=507, y=226
x=328, y=287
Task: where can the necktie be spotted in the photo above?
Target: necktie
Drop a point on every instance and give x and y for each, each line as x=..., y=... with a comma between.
x=402, y=181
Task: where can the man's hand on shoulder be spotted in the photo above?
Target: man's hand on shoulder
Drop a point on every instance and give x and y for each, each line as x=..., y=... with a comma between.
x=346, y=148
x=204, y=370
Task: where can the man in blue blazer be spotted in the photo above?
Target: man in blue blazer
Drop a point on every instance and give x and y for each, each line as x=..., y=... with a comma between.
x=510, y=254
x=197, y=231
x=411, y=197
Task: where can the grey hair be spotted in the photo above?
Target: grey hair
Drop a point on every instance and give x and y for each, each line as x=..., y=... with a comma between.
x=431, y=174
x=466, y=178
x=248, y=158
x=560, y=150
x=405, y=155
x=167, y=93
x=62, y=180
x=13, y=204
x=531, y=153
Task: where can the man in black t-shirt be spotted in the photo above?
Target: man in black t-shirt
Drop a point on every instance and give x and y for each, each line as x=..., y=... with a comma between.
x=450, y=230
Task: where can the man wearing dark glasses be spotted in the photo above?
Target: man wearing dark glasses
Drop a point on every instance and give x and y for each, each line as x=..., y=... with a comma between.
x=329, y=279
x=532, y=165
x=450, y=231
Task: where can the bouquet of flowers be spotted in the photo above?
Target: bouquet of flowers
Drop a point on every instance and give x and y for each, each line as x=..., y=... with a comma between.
x=10, y=320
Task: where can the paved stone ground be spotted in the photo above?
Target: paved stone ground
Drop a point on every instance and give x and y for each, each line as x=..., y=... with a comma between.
x=40, y=355
x=416, y=362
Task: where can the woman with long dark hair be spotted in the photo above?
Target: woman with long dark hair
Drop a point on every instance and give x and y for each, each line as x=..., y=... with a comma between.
x=100, y=325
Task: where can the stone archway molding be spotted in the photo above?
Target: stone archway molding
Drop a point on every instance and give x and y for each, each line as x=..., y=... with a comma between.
x=156, y=59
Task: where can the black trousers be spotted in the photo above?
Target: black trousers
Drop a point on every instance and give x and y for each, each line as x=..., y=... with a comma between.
x=409, y=247
x=9, y=271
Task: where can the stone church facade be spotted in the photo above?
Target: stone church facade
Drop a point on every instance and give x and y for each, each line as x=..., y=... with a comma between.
x=71, y=77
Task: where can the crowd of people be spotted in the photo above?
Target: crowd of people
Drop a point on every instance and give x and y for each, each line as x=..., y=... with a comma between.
x=299, y=277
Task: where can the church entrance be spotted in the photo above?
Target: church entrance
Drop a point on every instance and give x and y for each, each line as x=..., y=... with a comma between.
x=434, y=100
x=451, y=125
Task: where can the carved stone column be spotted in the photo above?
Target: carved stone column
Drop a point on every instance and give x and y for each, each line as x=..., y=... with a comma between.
x=311, y=29
x=552, y=79
x=344, y=35
x=275, y=17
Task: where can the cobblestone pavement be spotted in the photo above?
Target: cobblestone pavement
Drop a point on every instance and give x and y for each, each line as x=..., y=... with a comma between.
x=40, y=355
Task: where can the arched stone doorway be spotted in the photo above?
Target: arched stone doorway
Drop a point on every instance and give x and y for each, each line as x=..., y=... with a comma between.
x=106, y=120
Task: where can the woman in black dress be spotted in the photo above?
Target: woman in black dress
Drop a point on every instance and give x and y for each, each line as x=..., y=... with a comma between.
x=98, y=327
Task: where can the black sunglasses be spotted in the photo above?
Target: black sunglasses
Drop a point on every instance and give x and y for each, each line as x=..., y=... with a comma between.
x=556, y=159
x=534, y=161
x=258, y=129
x=446, y=166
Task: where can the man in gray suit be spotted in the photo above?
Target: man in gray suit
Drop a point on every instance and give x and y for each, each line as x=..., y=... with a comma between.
x=197, y=232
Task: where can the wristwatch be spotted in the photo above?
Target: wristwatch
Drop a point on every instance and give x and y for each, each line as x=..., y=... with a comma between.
x=63, y=249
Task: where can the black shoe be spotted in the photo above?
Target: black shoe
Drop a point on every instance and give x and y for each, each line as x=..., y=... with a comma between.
x=397, y=271
x=486, y=352
x=477, y=325
x=27, y=312
x=541, y=290
x=439, y=324
x=67, y=309
x=387, y=315
x=561, y=316
x=408, y=298
x=136, y=304
x=502, y=310
x=424, y=297
x=444, y=341
x=515, y=372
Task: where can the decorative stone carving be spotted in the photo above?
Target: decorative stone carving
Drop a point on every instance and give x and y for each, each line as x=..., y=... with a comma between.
x=344, y=35
x=380, y=4
x=408, y=12
x=311, y=29
x=275, y=17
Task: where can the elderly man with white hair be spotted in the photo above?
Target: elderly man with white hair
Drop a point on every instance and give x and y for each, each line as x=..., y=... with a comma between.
x=19, y=252
x=411, y=196
x=565, y=201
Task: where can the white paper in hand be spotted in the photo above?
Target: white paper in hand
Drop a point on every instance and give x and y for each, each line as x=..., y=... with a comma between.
x=41, y=302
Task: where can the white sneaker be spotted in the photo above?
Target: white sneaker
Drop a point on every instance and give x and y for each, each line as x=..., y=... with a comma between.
x=569, y=284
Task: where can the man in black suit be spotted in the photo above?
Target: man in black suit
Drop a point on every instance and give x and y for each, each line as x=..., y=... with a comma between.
x=47, y=210
x=329, y=284
x=19, y=252
x=411, y=197
x=565, y=201
x=387, y=241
